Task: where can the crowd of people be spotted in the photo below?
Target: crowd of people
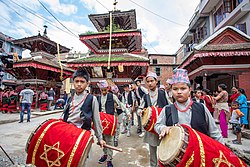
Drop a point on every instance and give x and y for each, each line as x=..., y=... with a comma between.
x=129, y=105
x=176, y=102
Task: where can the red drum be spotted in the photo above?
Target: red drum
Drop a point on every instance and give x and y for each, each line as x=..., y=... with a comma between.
x=149, y=118
x=184, y=146
x=109, y=123
x=57, y=143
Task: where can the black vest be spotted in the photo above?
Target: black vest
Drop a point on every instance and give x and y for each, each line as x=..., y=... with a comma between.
x=198, y=118
x=119, y=111
x=109, y=106
x=141, y=93
x=201, y=100
x=161, y=100
x=86, y=111
x=130, y=100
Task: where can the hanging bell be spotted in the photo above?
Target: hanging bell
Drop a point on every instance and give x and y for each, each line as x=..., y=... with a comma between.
x=120, y=68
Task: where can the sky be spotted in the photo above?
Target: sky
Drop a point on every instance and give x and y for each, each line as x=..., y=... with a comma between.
x=161, y=32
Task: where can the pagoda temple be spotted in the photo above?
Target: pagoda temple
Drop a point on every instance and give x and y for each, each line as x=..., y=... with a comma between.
x=115, y=51
x=42, y=69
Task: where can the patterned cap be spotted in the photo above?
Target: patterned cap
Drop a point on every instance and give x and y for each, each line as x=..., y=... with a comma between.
x=103, y=84
x=180, y=76
x=169, y=80
x=114, y=89
x=161, y=87
x=151, y=74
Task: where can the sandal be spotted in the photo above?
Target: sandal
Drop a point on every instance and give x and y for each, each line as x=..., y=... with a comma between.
x=236, y=142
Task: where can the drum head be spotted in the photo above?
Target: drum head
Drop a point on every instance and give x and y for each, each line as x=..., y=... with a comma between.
x=146, y=116
x=85, y=152
x=170, y=145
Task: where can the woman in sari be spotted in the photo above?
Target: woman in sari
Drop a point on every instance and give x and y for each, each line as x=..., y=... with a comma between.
x=222, y=109
x=242, y=100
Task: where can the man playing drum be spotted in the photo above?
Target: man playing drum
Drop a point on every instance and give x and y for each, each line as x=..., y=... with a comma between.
x=82, y=108
x=107, y=103
x=154, y=97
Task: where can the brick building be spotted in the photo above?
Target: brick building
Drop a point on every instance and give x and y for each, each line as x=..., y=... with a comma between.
x=162, y=65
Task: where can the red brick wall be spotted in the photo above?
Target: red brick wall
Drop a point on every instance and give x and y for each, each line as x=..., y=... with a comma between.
x=164, y=62
x=166, y=72
x=244, y=82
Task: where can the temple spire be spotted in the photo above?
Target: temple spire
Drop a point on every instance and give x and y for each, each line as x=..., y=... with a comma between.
x=115, y=3
x=45, y=31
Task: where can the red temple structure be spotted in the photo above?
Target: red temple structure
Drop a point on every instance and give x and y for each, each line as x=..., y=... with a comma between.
x=127, y=61
x=222, y=58
x=42, y=69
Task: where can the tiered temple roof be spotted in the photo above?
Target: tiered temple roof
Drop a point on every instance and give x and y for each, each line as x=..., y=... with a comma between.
x=125, y=19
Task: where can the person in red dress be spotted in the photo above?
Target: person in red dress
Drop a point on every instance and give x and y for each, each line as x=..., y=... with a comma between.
x=209, y=101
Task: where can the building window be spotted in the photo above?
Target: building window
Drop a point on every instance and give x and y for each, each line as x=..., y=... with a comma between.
x=227, y=6
x=154, y=61
x=242, y=27
x=158, y=71
x=1, y=44
x=218, y=16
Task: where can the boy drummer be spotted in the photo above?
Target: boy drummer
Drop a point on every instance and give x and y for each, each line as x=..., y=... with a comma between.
x=155, y=97
x=107, y=103
x=188, y=112
x=82, y=108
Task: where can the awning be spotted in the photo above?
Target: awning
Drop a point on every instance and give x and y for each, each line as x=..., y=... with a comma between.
x=111, y=64
x=40, y=66
x=215, y=54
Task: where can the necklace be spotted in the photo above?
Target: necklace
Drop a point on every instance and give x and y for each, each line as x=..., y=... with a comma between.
x=73, y=107
x=185, y=109
x=153, y=95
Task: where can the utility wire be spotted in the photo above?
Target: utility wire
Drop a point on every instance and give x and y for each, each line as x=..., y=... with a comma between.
x=149, y=43
x=56, y=18
x=156, y=14
x=20, y=14
x=41, y=17
x=102, y=5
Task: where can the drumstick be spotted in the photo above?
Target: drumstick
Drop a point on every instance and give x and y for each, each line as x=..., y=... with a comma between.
x=111, y=147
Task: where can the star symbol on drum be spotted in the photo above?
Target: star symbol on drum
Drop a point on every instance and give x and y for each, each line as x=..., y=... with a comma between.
x=51, y=152
x=105, y=124
x=222, y=159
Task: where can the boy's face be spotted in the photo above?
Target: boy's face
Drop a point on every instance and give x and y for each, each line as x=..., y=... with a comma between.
x=126, y=89
x=235, y=106
x=104, y=91
x=151, y=83
x=181, y=92
x=80, y=84
x=198, y=94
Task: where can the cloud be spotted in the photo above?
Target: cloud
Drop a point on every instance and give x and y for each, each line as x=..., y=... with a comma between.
x=67, y=39
x=57, y=7
x=163, y=35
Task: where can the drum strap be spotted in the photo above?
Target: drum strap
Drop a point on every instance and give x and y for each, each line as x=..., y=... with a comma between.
x=174, y=114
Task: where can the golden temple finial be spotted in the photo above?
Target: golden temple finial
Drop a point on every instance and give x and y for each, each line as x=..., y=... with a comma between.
x=115, y=3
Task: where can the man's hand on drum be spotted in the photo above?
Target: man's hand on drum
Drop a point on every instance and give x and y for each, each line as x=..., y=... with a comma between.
x=164, y=132
x=102, y=143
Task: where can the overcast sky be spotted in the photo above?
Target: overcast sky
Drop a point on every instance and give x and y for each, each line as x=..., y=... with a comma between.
x=159, y=35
